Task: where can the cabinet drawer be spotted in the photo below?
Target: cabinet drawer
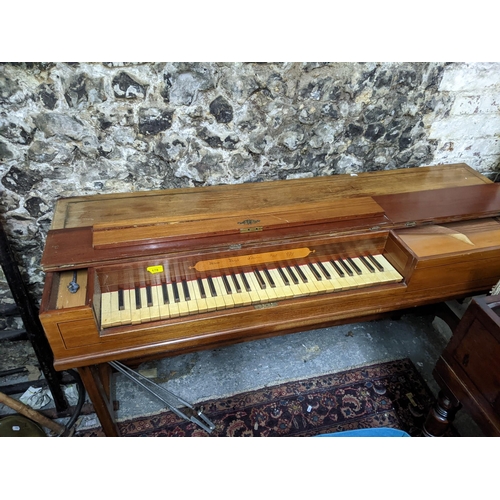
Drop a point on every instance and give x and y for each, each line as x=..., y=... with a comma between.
x=478, y=354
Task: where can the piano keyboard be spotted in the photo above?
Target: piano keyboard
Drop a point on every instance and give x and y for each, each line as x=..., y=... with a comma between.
x=234, y=289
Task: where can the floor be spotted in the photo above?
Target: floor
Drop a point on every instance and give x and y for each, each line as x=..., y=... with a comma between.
x=210, y=374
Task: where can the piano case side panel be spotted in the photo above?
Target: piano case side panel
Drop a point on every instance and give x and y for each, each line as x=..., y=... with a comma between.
x=400, y=256
x=67, y=326
x=465, y=255
x=472, y=274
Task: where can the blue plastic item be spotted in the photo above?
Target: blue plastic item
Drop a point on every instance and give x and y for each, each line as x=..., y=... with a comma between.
x=375, y=432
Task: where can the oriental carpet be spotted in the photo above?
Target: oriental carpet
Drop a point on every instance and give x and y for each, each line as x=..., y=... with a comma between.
x=390, y=394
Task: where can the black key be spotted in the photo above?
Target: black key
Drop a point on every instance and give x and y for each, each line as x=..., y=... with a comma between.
x=245, y=282
x=149, y=296
x=378, y=265
x=292, y=275
x=185, y=289
x=354, y=266
x=283, y=276
x=314, y=271
x=212, y=287
x=121, y=303
x=202, y=288
x=337, y=268
x=226, y=284
x=348, y=270
x=267, y=274
x=137, y=297
x=367, y=264
x=261, y=282
x=302, y=276
x=176, y=292
x=325, y=272
x=236, y=283
x=165, y=293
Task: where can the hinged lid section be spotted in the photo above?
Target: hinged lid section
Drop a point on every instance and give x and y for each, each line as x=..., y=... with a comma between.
x=185, y=227
x=442, y=205
x=117, y=208
x=464, y=237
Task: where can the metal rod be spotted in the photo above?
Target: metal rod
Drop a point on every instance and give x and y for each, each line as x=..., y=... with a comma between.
x=165, y=396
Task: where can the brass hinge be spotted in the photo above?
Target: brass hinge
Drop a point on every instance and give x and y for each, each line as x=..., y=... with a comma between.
x=251, y=229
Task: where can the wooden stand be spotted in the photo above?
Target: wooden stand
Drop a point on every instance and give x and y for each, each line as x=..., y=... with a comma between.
x=468, y=371
x=97, y=380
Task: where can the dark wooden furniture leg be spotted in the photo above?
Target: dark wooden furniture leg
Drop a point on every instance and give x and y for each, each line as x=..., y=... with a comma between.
x=96, y=379
x=440, y=416
x=468, y=370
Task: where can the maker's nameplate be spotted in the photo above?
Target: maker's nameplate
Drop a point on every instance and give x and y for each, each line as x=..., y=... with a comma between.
x=264, y=306
x=249, y=260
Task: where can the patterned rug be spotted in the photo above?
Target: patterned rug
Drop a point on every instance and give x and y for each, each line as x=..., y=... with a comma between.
x=390, y=394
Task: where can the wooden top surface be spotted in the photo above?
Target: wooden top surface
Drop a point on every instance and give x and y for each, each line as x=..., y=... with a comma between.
x=462, y=202
x=217, y=202
x=208, y=224
x=458, y=237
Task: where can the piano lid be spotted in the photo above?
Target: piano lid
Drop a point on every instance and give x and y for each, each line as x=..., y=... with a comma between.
x=236, y=220
x=87, y=230
x=194, y=202
x=442, y=205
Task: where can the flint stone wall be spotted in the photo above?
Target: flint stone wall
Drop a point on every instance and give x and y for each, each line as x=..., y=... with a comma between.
x=89, y=128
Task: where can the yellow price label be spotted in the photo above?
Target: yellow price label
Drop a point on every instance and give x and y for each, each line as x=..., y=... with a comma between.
x=155, y=269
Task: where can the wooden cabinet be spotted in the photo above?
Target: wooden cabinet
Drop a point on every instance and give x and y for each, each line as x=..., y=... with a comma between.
x=468, y=370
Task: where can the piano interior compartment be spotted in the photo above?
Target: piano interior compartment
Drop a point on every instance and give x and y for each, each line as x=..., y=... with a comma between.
x=68, y=318
x=60, y=297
